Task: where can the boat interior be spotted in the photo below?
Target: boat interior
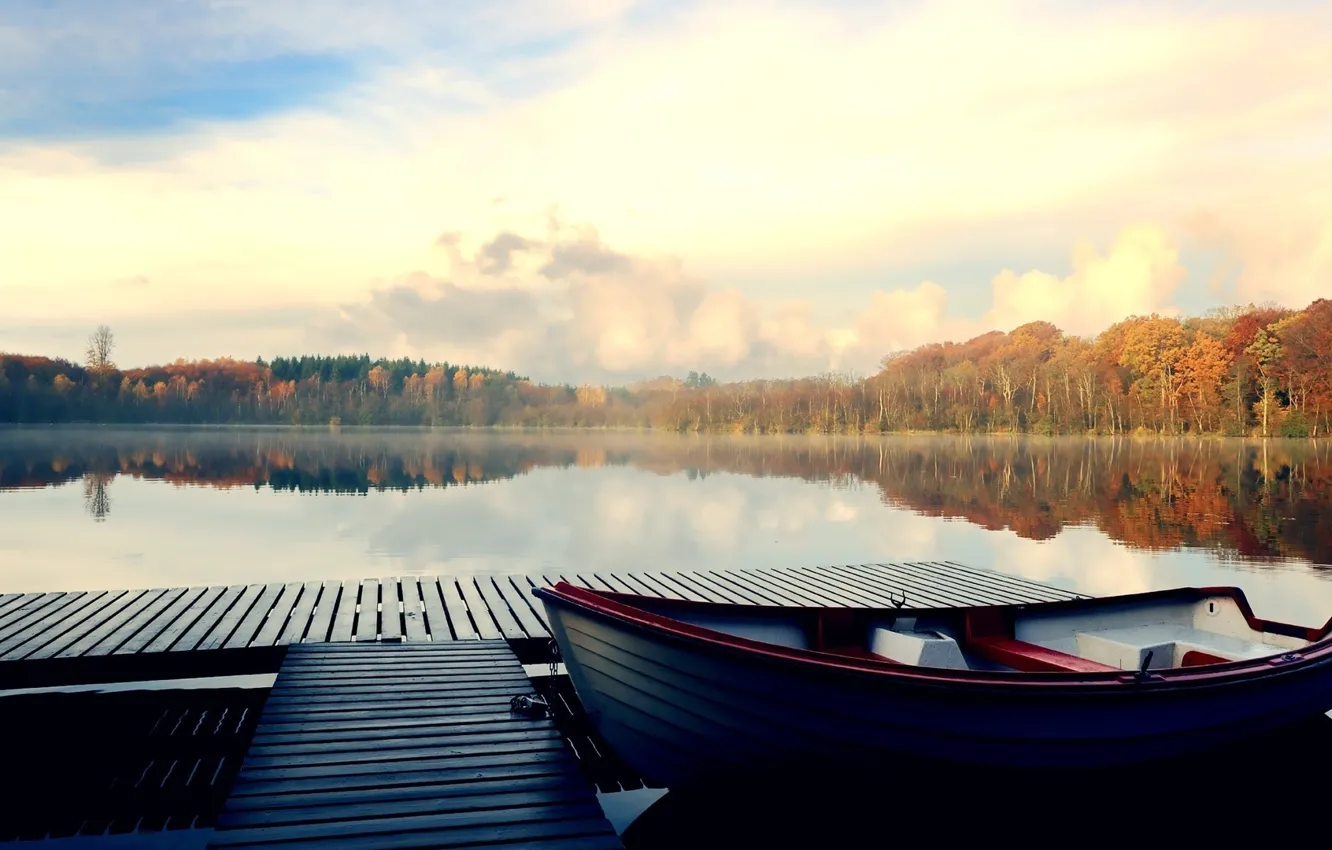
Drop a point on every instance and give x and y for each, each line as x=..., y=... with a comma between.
x=1153, y=632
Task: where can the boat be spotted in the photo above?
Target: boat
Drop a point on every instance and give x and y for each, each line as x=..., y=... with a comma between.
x=691, y=693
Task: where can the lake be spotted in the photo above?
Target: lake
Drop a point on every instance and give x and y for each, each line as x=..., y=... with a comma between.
x=93, y=508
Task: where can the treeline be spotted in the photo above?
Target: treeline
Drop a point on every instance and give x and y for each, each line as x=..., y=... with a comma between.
x=1262, y=371
x=1258, y=500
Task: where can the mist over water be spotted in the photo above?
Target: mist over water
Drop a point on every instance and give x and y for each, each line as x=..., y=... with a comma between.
x=106, y=508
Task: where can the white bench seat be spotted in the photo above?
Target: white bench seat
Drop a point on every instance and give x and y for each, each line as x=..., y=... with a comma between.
x=1126, y=648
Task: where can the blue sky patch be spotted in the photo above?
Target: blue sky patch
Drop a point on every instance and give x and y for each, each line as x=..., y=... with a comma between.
x=166, y=96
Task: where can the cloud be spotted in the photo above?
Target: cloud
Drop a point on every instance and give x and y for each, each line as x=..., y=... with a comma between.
x=1136, y=277
x=496, y=256
x=819, y=145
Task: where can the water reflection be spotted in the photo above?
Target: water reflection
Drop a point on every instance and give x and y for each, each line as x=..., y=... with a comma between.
x=96, y=498
x=190, y=507
x=1244, y=500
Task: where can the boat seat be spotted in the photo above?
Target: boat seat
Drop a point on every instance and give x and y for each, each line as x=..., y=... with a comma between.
x=1030, y=658
x=1171, y=646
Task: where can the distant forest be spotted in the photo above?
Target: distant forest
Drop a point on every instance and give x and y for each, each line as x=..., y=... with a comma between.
x=1241, y=371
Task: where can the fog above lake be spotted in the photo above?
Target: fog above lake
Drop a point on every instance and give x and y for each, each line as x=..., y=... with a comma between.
x=103, y=508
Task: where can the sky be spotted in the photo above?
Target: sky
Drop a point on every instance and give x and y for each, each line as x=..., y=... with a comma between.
x=606, y=190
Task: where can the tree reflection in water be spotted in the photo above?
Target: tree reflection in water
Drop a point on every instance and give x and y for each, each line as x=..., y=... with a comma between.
x=1243, y=500
x=96, y=494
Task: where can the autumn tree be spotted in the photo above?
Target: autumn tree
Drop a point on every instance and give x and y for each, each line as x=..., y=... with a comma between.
x=101, y=345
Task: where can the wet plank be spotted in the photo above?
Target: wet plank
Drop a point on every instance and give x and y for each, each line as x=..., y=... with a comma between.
x=337, y=763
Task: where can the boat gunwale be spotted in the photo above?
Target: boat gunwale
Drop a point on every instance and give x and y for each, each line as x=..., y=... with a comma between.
x=620, y=607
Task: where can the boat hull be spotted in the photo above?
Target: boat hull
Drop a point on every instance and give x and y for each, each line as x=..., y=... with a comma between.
x=683, y=712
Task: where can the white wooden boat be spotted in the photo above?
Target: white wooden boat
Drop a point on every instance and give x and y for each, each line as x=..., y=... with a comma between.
x=694, y=692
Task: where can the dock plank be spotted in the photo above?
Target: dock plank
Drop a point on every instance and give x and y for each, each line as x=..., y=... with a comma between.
x=321, y=618
x=345, y=616
x=222, y=630
x=460, y=770
x=301, y=617
x=445, y=609
x=367, y=618
x=44, y=623
x=521, y=604
x=275, y=624
x=250, y=624
x=413, y=610
x=390, y=611
x=161, y=622
x=437, y=621
x=499, y=609
x=104, y=629
x=197, y=631
x=476, y=606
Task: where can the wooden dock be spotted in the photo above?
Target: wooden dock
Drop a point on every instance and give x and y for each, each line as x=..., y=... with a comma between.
x=368, y=745
x=117, y=623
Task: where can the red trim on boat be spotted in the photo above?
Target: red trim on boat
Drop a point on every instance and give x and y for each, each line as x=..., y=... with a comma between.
x=1030, y=658
x=621, y=606
x=1198, y=658
x=1313, y=635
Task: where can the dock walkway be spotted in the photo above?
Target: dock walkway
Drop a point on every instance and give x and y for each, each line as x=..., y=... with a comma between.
x=93, y=624
x=367, y=745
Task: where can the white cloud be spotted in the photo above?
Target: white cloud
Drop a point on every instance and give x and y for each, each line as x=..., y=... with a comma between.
x=745, y=140
x=1137, y=276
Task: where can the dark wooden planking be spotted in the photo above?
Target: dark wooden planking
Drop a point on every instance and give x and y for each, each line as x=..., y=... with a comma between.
x=291, y=779
x=47, y=623
x=477, y=673
x=34, y=607
x=253, y=620
x=638, y=586
x=86, y=640
x=786, y=577
x=301, y=617
x=499, y=609
x=321, y=618
x=275, y=624
x=341, y=756
x=433, y=830
x=485, y=624
x=943, y=593
x=436, y=620
x=345, y=616
x=896, y=579
x=547, y=790
x=414, y=615
x=391, y=742
x=522, y=605
x=310, y=806
x=367, y=617
x=1020, y=585
x=225, y=625
x=160, y=623
x=879, y=590
x=463, y=626
x=773, y=594
x=667, y=589
x=183, y=620
x=390, y=613
x=27, y=616
x=126, y=630
x=47, y=643
x=704, y=584
x=334, y=730
x=10, y=600
x=197, y=631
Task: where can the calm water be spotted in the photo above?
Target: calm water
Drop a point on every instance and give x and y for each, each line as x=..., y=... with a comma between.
x=102, y=508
